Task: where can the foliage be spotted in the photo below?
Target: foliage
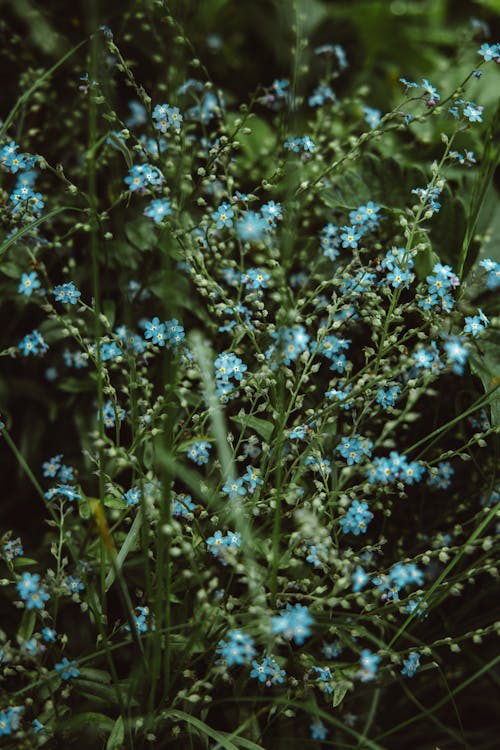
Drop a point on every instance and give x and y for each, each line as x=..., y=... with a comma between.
x=251, y=402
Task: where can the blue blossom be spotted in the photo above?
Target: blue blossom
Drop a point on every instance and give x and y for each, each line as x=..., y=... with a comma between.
x=235, y=488
x=138, y=115
x=31, y=592
x=49, y=635
x=441, y=478
x=324, y=678
x=166, y=117
x=411, y=664
x=67, y=293
x=293, y=624
x=62, y=490
x=369, y=665
x=29, y=282
x=350, y=236
x=182, y=505
x=228, y=367
x=492, y=269
x=388, y=397
x=223, y=216
x=12, y=548
x=237, y=649
x=457, y=354
x=158, y=209
x=255, y=278
x=133, y=496
x=318, y=730
x=321, y=95
x=251, y=226
x=267, y=671
x=359, y=579
x=199, y=452
x=67, y=669
x=489, y=52
x=476, y=324
x=332, y=650
x=431, y=92
x=395, y=468
x=473, y=112
x=354, y=448
x=52, y=466
x=372, y=116
x=252, y=478
x=141, y=176
x=272, y=212
x=356, y=519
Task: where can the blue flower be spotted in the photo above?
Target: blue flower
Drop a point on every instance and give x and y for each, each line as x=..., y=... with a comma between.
x=359, y=579
x=198, y=452
x=67, y=293
x=182, y=505
x=318, y=730
x=489, y=52
x=158, y=209
x=294, y=623
x=234, y=488
x=33, y=343
x=372, y=116
x=354, y=448
x=350, y=236
x=255, y=278
x=223, y=216
x=251, y=226
x=356, y=519
x=411, y=664
x=476, y=324
x=166, y=117
x=29, y=282
x=369, y=665
x=133, y=496
x=67, y=669
x=238, y=649
x=31, y=592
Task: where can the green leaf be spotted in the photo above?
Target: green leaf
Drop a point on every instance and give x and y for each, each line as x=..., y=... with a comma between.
x=84, y=508
x=75, y=385
x=261, y=426
x=140, y=234
x=117, y=735
x=114, y=502
x=203, y=728
x=98, y=675
x=109, y=310
x=27, y=625
x=121, y=146
x=486, y=364
x=425, y=260
x=89, y=720
x=380, y=179
x=339, y=693
x=20, y=562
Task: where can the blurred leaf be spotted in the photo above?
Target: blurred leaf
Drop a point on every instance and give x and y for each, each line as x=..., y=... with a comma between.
x=425, y=260
x=261, y=426
x=27, y=625
x=140, y=233
x=117, y=735
x=486, y=364
x=90, y=720
x=447, y=228
x=383, y=180
x=339, y=693
x=109, y=310
x=74, y=385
